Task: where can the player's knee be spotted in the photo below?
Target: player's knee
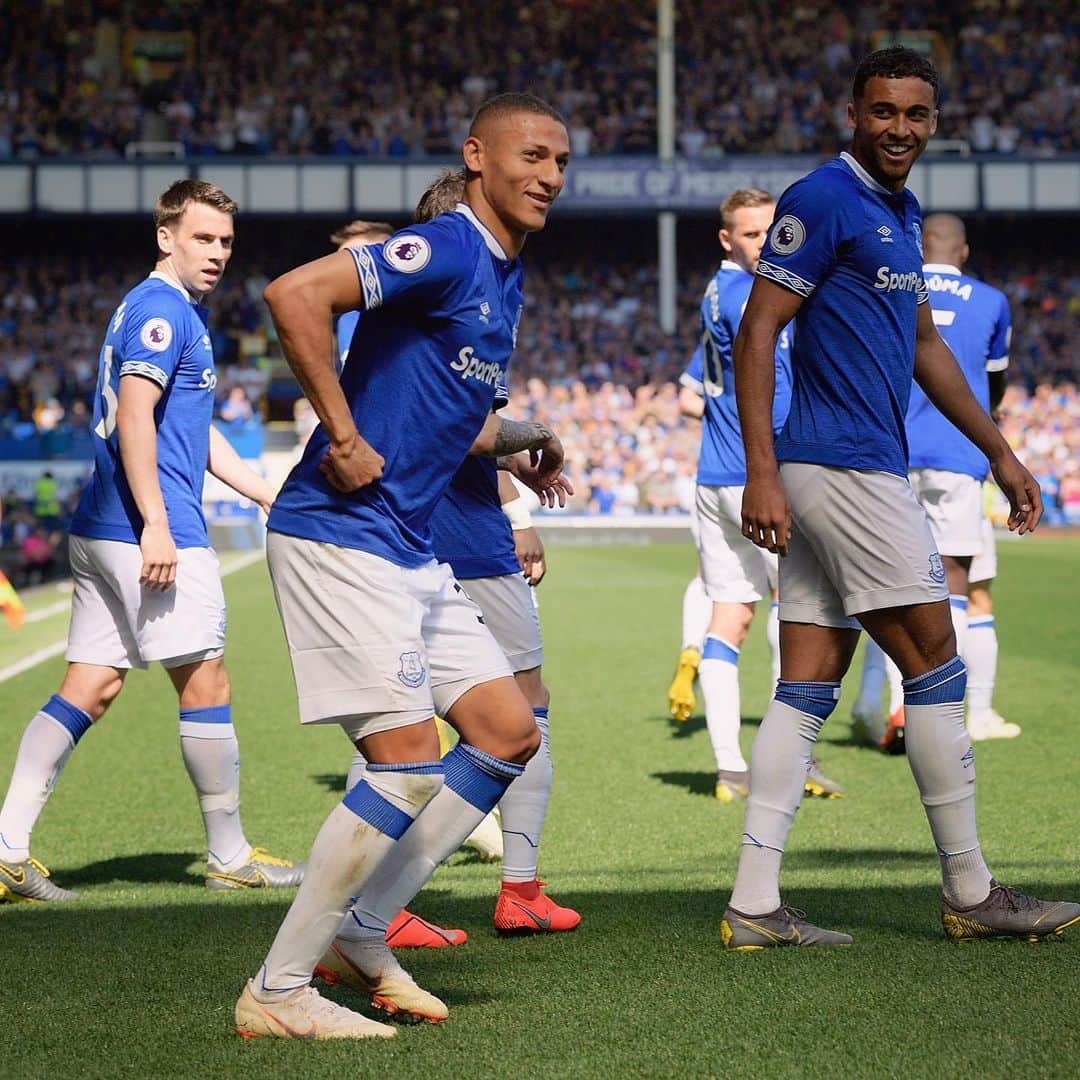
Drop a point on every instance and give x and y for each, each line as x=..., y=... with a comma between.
x=109, y=692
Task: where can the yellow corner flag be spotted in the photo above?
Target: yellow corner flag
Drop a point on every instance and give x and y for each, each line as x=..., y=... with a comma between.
x=14, y=608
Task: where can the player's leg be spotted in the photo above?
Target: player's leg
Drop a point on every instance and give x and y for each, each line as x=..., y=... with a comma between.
x=344, y=661
x=736, y=576
x=981, y=648
x=48, y=741
x=696, y=613
x=184, y=628
x=922, y=641
x=101, y=648
x=814, y=659
x=407, y=930
x=211, y=756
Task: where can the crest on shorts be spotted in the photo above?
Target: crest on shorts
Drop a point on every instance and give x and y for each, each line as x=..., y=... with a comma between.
x=937, y=571
x=412, y=672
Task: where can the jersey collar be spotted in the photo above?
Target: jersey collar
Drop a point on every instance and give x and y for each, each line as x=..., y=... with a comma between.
x=940, y=268
x=730, y=264
x=493, y=245
x=864, y=176
x=179, y=288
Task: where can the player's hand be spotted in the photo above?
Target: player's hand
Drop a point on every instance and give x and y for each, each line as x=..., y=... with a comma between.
x=766, y=515
x=351, y=465
x=542, y=472
x=159, y=558
x=530, y=554
x=1023, y=492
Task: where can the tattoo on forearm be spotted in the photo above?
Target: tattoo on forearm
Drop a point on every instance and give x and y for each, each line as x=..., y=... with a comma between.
x=515, y=435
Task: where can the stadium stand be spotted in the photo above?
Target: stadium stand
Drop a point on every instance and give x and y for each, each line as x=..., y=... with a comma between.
x=402, y=79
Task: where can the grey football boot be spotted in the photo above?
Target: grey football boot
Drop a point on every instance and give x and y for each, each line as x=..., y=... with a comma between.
x=27, y=882
x=261, y=871
x=1008, y=913
x=784, y=926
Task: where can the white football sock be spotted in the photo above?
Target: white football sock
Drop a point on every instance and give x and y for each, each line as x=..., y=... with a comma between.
x=896, y=685
x=958, y=609
x=356, y=771
x=212, y=757
x=772, y=636
x=360, y=832
x=980, y=655
x=475, y=783
x=942, y=761
x=779, y=762
x=719, y=678
x=47, y=742
x=873, y=677
x=523, y=809
x=696, y=615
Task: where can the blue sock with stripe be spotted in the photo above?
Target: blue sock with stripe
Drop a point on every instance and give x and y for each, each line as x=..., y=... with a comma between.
x=50, y=737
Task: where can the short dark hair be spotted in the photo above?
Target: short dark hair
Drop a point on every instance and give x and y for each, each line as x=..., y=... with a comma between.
x=442, y=196
x=172, y=203
x=895, y=62
x=505, y=104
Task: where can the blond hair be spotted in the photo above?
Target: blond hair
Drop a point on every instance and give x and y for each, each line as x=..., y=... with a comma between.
x=743, y=197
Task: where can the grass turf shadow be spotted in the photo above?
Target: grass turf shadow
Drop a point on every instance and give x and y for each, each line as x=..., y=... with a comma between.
x=153, y=868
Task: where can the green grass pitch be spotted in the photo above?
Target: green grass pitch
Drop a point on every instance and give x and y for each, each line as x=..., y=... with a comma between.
x=139, y=978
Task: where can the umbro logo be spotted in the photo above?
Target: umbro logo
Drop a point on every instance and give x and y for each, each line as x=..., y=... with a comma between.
x=485, y=311
x=886, y=234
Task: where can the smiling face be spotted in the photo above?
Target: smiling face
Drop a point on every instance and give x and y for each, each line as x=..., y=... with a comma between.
x=891, y=124
x=516, y=163
x=195, y=248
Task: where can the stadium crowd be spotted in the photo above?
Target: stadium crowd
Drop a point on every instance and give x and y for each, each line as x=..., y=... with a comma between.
x=594, y=363
x=402, y=79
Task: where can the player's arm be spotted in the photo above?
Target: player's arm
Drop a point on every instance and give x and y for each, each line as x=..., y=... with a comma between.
x=941, y=379
x=136, y=431
x=691, y=403
x=508, y=440
x=527, y=543
x=230, y=468
x=766, y=516
x=999, y=382
x=302, y=304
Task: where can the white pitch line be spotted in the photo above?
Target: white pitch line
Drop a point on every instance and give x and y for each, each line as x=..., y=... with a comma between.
x=39, y=656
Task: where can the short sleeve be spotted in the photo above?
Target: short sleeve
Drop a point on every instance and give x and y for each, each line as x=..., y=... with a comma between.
x=502, y=393
x=419, y=266
x=998, y=354
x=805, y=238
x=693, y=378
x=154, y=337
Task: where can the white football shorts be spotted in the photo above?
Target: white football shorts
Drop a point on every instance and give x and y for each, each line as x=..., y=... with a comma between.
x=508, y=602
x=117, y=623
x=984, y=565
x=954, y=504
x=860, y=542
x=734, y=570
x=376, y=646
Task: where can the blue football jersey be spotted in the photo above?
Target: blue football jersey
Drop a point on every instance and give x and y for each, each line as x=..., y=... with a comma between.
x=346, y=327
x=441, y=308
x=722, y=461
x=853, y=250
x=156, y=333
x=974, y=320
x=694, y=376
x=468, y=528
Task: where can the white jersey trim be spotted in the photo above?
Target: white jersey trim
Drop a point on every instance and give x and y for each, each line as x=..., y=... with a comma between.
x=786, y=278
x=493, y=245
x=863, y=175
x=940, y=268
x=999, y=363
x=148, y=371
x=688, y=380
x=161, y=276
x=366, y=270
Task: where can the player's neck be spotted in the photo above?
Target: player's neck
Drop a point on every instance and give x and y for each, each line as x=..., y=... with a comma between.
x=165, y=268
x=508, y=239
x=893, y=186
